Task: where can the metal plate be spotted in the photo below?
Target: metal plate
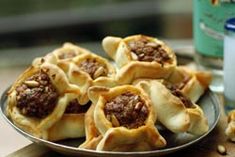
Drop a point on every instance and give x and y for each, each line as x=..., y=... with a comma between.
x=208, y=102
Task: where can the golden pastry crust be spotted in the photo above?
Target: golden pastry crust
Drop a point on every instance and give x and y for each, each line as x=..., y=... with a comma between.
x=102, y=73
x=63, y=54
x=172, y=111
x=68, y=126
x=63, y=58
x=40, y=126
x=71, y=124
x=68, y=58
x=93, y=136
x=121, y=138
x=230, y=130
x=159, y=64
x=198, y=121
x=84, y=74
x=78, y=78
x=192, y=83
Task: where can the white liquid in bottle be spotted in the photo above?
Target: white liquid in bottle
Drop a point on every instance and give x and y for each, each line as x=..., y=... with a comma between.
x=229, y=72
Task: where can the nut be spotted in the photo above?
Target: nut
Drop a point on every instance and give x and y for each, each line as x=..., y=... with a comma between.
x=136, y=98
x=46, y=89
x=138, y=106
x=31, y=83
x=114, y=121
x=134, y=56
x=99, y=72
x=141, y=55
x=27, y=91
x=152, y=44
x=221, y=149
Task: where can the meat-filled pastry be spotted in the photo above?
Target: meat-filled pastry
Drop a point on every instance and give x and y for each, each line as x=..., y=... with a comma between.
x=64, y=54
x=87, y=70
x=175, y=111
x=93, y=136
x=125, y=117
x=71, y=124
x=97, y=69
x=230, y=130
x=139, y=56
x=191, y=83
x=78, y=78
x=38, y=100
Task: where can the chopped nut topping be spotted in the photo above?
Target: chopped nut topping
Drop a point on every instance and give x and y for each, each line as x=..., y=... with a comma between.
x=127, y=109
x=93, y=68
x=146, y=50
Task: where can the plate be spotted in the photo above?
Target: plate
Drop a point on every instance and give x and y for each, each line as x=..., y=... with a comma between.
x=208, y=102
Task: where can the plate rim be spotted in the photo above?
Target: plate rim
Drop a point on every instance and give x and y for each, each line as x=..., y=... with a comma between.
x=83, y=151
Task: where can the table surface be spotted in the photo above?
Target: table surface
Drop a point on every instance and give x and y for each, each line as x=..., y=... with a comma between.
x=13, y=144
x=10, y=140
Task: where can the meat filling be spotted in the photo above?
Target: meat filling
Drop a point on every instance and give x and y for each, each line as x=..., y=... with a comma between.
x=75, y=107
x=93, y=68
x=66, y=55
x=145, y=50
x=127, y=110
x=36, y=96
x=182, y=84
x=176, y=92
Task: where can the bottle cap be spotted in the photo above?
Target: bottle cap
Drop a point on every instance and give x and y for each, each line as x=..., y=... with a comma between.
x=230, y=24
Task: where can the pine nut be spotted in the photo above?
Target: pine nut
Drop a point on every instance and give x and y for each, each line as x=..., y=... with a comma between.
x=221, y=149
x=114, y=120
x=31, y=83
x=98, y=72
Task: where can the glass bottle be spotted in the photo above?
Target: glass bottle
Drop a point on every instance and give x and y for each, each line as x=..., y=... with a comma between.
x=229, y=68
x=209, y=17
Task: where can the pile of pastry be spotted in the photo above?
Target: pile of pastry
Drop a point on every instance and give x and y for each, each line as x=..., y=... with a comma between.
x=116, y=105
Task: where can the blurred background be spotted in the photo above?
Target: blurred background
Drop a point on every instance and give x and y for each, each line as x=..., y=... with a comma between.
x=30, y=28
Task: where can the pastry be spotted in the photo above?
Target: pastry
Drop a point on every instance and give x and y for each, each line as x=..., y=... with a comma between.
x=72, y=93
x=87, y=70
x=63, y=54
x=79, y=78
x=175, y=111
x=97, y=69
x=139, y=56
x=38, y=100
x=93, y=136
x=191, y=83
x=71, y=124
x=125, y=118
x=230, y=130
x=82, y=68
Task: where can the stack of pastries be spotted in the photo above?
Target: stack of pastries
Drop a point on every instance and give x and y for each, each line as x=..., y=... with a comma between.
x=73, y=93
